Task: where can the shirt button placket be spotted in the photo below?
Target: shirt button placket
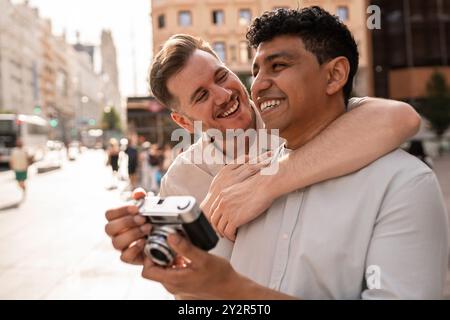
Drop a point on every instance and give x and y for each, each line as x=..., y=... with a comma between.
x=291, y=212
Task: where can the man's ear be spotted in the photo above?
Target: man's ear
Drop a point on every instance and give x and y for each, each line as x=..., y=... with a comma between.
x=182, y=121
x=338, y=70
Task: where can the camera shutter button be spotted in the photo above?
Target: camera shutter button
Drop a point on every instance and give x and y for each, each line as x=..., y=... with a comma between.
x=186, y=206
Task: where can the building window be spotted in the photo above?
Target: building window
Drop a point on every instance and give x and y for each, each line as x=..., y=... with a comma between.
x=161, y=21
x=219, y=48
x=245, y=52
x=245, y=17
x=342, y=13
x=233, y=53
x=218, y=17
x=184, y=18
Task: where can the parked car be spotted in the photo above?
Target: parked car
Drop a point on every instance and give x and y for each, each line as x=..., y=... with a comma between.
x=55, y=145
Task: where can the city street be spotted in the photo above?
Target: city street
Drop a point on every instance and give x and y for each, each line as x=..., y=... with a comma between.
x=53, y=246
x=71, y=83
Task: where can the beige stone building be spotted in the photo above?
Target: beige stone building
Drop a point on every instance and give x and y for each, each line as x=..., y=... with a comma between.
x=54, y=80
x=20, y=53
x=47, y=74
x=41, y=73
x=223, y=23
x=110, y=92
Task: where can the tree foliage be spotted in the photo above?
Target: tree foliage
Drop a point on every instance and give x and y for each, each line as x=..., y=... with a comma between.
x=436, y=107
x=111, y=120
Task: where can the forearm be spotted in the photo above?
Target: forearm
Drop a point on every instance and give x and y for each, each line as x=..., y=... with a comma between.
x=242, y=288
x=351, y=142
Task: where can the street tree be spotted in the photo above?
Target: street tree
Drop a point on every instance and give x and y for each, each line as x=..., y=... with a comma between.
x=111, y=120
x=436, y=106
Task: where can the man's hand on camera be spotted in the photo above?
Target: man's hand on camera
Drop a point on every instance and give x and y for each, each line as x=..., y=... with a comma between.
x=205, y=276
x=128, y=231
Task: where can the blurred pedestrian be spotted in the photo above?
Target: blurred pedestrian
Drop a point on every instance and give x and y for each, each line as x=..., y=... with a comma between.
x=133, y=162
x=20, y=162
x=416, y=149
x=168, y=158
x=113, y=160
x=145, y=171
x=123, y=160
x=155, y=161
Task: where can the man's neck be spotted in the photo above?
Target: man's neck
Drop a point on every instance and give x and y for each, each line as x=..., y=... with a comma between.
x=300, y=133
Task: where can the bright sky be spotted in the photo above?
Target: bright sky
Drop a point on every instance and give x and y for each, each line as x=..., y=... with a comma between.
x=123, y=17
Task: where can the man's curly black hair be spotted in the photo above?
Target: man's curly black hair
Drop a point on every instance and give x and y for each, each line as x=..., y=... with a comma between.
x=323, y=34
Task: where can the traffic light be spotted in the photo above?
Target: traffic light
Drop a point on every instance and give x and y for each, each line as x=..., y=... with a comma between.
x=53, y=123
x=37, y=110
x=92, y=122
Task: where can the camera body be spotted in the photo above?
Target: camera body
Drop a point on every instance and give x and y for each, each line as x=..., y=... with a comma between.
x=174, y=214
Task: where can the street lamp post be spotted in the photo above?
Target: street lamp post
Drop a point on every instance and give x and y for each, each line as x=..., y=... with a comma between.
x=84, y=100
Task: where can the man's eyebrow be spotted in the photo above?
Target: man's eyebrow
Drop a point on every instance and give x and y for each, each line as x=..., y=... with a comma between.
x=281, y=54
x=191, y=100
x=273, y=56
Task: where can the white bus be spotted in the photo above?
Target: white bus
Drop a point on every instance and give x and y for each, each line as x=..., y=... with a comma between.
x=31, y=130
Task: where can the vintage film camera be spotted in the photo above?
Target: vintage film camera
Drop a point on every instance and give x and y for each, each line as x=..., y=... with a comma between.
x=171, y=215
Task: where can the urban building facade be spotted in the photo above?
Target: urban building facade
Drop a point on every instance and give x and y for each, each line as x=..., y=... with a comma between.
x=86, y=96
x=42, y=74
x=47, y=73
x=412, y=43
x=224, y=24
x=109, y=58
x=148, y=119
x=110, y=93
x=19, y=58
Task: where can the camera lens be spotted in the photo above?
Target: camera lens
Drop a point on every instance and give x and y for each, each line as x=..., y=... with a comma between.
x=157, y=248
x=160, y=256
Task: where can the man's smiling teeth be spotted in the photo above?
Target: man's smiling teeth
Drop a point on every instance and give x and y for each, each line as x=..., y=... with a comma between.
x=269, y=104
x=230, y=111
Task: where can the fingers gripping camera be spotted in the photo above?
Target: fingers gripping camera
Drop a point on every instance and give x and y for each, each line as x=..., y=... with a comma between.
x=171, y=215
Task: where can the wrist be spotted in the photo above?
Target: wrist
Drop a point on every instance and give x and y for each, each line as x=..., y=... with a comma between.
x=289, y=175
x=242, y=288
x=271, y=186
x=275, y=184
x=236, y=287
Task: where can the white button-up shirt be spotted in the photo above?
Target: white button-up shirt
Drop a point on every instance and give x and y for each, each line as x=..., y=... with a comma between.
x=378, y=233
